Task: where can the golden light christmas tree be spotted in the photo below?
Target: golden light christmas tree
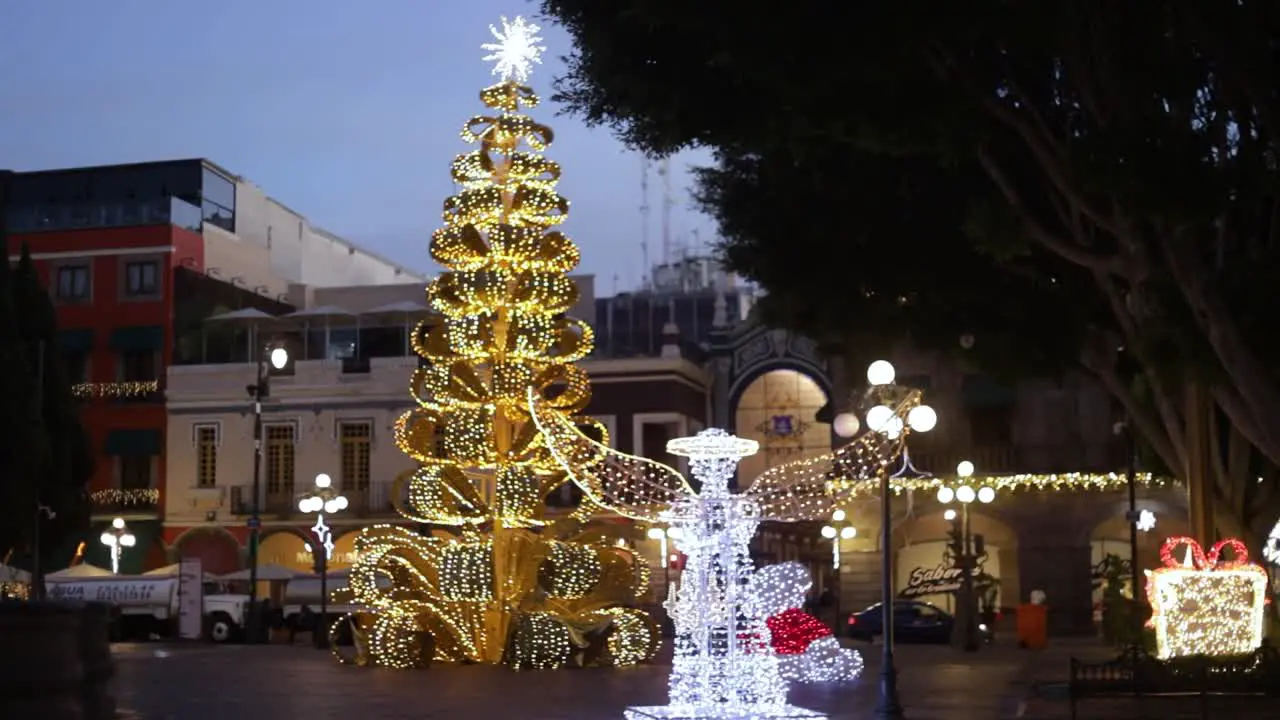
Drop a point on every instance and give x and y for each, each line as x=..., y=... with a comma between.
x=509, y=584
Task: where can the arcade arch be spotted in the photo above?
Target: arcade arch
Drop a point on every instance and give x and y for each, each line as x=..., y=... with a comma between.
x=778, y=409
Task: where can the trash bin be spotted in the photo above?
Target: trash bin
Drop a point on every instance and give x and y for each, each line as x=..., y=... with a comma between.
x=1033, y=626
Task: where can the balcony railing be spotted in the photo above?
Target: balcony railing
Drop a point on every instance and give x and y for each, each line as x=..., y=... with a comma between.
x=375, y=500
x=1012, y=459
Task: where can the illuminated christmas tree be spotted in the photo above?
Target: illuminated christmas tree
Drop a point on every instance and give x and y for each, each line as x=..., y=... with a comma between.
x=509, y=584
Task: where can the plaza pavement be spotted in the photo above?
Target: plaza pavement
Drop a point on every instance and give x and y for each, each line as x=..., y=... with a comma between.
x=199, y=682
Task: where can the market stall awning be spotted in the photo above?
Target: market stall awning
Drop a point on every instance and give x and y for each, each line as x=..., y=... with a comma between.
x=137, y=337
x=77, y=341
x=133, y=441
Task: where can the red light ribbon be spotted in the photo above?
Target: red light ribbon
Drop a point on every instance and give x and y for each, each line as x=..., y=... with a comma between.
x=1213, y=560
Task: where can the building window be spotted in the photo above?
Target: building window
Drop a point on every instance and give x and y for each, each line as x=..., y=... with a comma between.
x=77, y=366
x=138, y=366
x=991, y=426
x=73, y=283
x=280, y=455
x=206, y=456
x=357, y=448
x=141, y=278
x=135, y=472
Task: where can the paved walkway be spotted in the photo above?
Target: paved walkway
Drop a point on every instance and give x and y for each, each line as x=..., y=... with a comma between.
x=248, y=683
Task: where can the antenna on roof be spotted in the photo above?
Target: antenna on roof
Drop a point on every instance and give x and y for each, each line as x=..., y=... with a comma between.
x=668, y=202
x=644, y=222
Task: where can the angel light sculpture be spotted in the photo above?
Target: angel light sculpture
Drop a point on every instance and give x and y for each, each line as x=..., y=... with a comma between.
x=724, y=665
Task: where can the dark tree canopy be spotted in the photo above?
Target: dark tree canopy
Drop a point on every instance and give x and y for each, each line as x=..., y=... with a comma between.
x=1120, y=153
x=46, y=440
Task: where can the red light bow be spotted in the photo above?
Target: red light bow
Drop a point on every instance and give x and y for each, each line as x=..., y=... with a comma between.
x=1202, y=561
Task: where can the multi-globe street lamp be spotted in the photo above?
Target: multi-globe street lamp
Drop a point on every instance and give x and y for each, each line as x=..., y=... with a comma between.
x=261, y=388
x=839, y=529
x=966, y=549
x=118, y=538
x=320, y=500
x=881, y=396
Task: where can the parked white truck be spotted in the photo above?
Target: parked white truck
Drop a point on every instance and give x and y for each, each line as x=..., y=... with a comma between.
x=149, y=603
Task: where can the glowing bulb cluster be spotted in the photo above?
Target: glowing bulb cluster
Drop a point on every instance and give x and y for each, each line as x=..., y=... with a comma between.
x=1210, y=605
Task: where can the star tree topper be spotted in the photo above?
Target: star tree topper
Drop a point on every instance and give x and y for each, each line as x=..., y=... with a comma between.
x=517, y=49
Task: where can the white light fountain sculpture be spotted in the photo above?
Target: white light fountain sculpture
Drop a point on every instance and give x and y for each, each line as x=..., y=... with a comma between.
x=724, y=666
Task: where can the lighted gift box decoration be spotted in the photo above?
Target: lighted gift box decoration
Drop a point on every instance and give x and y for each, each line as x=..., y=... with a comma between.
x=1206, y=604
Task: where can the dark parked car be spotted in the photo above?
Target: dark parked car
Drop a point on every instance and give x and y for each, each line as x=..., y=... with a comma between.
x=913, y=622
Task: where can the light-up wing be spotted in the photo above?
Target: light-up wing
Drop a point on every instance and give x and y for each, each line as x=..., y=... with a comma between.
x=811, y=488
x=630, y=486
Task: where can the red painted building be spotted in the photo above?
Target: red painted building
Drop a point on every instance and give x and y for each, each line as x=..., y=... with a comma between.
x=111, y=244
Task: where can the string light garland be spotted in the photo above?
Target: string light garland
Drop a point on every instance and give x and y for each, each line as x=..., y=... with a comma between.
x=513, y=586
x=1206, y=604
x=128, y=389
x=134, y=497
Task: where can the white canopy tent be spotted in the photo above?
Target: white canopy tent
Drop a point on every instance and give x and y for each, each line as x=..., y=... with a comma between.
x=83, y=570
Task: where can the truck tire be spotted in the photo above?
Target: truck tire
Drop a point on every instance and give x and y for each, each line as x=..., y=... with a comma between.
x=221, y=628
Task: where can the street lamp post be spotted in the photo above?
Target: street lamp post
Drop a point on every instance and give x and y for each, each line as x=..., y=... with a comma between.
x=118, y=538
x=881, y=418
x=835, y=532
x=260, y=389
x=323, y=499
x=965, y=552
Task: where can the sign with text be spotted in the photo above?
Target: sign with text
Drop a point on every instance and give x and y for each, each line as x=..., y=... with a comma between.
x=122, y=593
x=939, y=579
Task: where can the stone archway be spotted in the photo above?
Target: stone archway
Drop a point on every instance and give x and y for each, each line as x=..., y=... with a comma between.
x=920, y=543
x=285, y=548
x=217, y=550
x=778, y=409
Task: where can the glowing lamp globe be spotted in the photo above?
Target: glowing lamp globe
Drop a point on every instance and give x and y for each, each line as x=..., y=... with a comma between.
x=946, y=495
x=949, y=515
x=986, y=494
x=331, y=506
x=964, y=469
x=893, y=428
x=848, y=533
x=118, y=523
x=878, y=417
x=108, y=539
x=341, y=500
x=846, y=425
x=965, y=494
x=128, y=540
x=880, y=372
x=279, y=358
x=323, y=480
x=828, y=531
x=838, y=515
x=674, y=533
x=922, y=418
x=654, y=533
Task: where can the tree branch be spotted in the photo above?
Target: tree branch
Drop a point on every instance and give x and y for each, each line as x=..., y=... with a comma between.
x=1098, y=262
x=1162, y=400
x=1142, y=421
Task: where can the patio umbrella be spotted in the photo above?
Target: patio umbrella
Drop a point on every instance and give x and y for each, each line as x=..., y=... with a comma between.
x=325, y=313
x=268, y=571
x=404, y=310
x=83, y=570
x=251, y=318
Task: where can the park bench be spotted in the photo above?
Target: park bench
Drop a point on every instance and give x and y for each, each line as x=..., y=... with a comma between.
x=1136, y=673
